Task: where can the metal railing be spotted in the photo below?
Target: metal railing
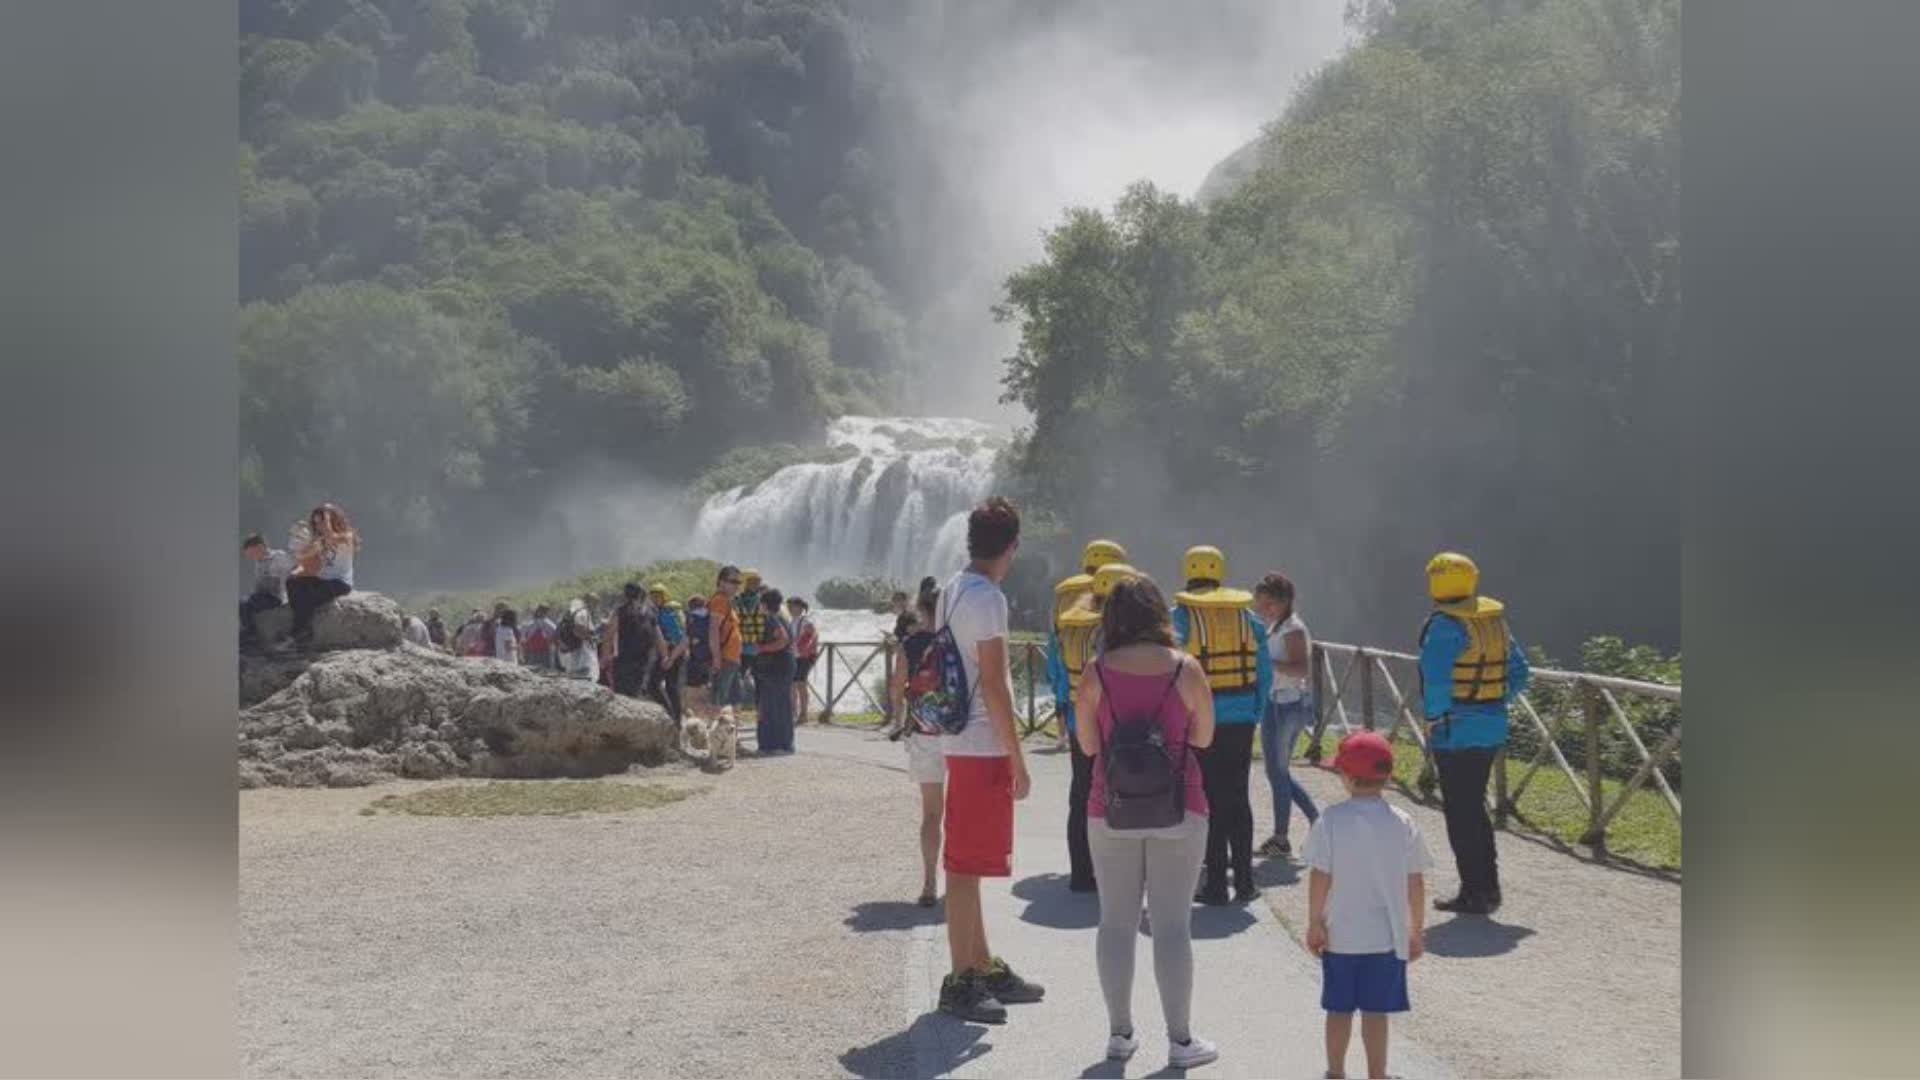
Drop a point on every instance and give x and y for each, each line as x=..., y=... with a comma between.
x=857, y=673
x=1593, y=702
x=1362, y=680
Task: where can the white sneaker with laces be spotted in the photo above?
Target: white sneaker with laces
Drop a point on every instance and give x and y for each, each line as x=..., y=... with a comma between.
x=1121, y=1047
x=1197, y=1051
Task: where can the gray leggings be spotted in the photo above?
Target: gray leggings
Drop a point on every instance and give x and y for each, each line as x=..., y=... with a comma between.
x=1164, y=864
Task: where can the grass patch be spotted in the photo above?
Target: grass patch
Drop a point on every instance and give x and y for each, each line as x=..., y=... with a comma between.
x=529, y=798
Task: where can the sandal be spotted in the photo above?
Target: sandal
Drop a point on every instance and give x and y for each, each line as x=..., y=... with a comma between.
x=927, y=899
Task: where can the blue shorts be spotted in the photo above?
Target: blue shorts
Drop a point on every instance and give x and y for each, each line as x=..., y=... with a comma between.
x=1363, y=982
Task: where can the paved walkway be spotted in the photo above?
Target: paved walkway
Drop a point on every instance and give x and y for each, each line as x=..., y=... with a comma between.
x=766, y=928
x=1256, y=992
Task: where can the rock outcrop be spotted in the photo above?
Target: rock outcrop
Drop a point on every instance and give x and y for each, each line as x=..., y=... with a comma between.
x=358, y=620
x=371, y=711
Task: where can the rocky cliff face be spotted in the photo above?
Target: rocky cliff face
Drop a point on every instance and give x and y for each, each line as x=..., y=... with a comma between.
x=365, y=707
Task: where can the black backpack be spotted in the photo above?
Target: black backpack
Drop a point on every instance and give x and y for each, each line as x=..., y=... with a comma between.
x=1146, y=787
x=569, y=634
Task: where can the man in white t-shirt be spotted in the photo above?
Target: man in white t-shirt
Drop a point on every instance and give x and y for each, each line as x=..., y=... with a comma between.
x=1366, y=903
x=986, y=770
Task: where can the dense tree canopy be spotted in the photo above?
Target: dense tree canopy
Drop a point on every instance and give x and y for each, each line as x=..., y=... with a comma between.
x=1441, y=314
x=483, y=238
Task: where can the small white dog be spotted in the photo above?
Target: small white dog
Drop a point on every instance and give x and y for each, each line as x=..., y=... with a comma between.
x=718, y=739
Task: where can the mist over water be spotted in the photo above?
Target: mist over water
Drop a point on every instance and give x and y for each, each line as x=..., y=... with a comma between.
x=1012, y=111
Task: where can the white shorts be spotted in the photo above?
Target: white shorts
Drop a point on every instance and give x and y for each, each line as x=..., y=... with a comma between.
x=926, y=762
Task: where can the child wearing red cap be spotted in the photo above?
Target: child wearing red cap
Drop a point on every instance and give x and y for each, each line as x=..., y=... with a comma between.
x=1366, y=903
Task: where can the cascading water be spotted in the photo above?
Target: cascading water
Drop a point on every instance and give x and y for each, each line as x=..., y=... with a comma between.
x=896, y=507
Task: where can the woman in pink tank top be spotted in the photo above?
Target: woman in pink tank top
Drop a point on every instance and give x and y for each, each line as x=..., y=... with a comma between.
x=1146, y=675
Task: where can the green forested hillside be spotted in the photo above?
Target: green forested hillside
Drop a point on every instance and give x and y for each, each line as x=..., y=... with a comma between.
x=1444, y=313
x=484, y=239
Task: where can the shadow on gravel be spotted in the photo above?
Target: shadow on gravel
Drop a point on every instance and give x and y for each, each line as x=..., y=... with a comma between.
x=1210, y=923
x=893, y=915
x=1276, y=872
x=1472, y=935
x=1050, y=904
x=957, y=1043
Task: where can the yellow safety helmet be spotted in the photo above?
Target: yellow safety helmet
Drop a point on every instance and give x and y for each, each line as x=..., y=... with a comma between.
x=749, y=578
x=1111, y=575
x=1205, y=563
x=1452, y=576
x=1100, y=553
x=657, y=591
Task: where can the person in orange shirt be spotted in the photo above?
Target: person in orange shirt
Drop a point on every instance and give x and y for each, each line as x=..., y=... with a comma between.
x=723, y=639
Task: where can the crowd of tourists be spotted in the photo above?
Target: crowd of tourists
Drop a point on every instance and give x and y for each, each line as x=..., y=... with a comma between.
x=1162, y=703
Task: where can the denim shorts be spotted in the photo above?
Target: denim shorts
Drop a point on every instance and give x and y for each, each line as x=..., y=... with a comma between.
x=1363, y=982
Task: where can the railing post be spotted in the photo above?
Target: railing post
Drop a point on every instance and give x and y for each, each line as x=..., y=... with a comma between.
x=826, y=713
x=1366, y=690
x=1596, y=832
x=1317, y=663
x=888, y=643
x=1033, y=708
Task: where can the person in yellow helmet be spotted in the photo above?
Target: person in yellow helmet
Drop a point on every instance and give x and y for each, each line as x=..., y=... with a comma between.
x=1068, y=649
x=1215, y=624
x=1077, y=634
x=668, y=683
x=1470, y=668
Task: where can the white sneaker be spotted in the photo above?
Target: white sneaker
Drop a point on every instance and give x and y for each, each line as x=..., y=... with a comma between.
x=1121, y=1047
x=1198, y=1051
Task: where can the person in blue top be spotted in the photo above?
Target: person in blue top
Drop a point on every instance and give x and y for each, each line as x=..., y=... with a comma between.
x=1470, y=669
x=1069, y=647
x=668, y=686
x=1215, y=625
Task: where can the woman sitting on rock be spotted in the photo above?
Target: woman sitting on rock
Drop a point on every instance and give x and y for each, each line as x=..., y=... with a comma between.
x=323, y=568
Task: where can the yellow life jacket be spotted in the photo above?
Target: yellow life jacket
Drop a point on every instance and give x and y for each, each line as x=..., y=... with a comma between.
x=1068, y=592
x=1079, y=631
x=753, y=618
x=1219, y=637
x=1480, y=672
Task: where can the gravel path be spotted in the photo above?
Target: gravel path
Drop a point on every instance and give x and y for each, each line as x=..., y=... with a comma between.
x=710, y=937
x=1578, y=974
x=761, y=929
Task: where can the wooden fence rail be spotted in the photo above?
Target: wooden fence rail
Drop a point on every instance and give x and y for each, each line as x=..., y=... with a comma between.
x=852, y=676
x=1596, y=698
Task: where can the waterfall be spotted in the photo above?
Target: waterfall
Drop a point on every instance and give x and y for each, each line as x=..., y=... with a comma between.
x=896, y=507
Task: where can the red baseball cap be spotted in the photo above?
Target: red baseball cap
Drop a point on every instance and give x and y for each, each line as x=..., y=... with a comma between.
x=1365, y=755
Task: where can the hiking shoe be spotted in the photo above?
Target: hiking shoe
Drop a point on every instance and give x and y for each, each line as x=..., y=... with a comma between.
x=1246, y=892
x=1009, y=988
x=966, y=997
x=1273, y=846
x=1492, y=901
x=1464, y=904
x=927, y=899
x=1121, y=1047
x=1195, y=1051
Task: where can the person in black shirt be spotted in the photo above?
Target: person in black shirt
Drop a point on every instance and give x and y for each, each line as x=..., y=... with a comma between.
x=637, y=641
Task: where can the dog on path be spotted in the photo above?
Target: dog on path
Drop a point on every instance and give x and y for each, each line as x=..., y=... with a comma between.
x=717, y=740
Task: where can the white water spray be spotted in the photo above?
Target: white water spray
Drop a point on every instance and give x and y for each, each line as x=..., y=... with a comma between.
x=897, y=507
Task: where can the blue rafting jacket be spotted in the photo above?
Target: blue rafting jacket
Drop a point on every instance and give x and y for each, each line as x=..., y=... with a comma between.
x=670, y=627
x=1057, y=678
x=1240, y=706
x=1467, y=727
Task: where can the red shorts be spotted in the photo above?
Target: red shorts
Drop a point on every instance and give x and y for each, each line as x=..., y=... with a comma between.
x=979, y=819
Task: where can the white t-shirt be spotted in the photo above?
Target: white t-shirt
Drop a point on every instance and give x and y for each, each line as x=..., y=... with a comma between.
x=1369, y=846
x=336, y=564
x=506, y=643
x=1287, y=689
x=978, y=614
